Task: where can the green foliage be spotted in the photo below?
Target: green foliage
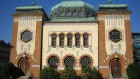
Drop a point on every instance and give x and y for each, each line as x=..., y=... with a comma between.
x=133, y=71
x=49, y=73
x=9, y=70
x=90, y=73
x=68, y=74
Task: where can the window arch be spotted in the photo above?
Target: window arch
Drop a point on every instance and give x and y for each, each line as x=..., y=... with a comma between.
x=77, y=40
x=85, y=40
x=53, y=60
x=85, y=62
x=53, y=42
x=69, y=40
x=69, y=62
x=61, y=40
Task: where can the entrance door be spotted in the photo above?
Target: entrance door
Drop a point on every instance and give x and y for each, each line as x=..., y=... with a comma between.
x=25, y=65
x=116, y=68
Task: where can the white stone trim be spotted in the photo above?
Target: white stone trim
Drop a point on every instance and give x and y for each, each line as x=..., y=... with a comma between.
x=38, y=19
x=104, y=67
x=16, y=20
x=38, y=66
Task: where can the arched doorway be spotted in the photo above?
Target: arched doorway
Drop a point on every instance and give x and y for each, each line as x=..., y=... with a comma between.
x=116, y=68
x=24, y=65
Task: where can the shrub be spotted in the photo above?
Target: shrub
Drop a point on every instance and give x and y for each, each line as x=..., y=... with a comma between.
x=133, y=71
x=91, y=73
x=49, y=73
x=68, y=74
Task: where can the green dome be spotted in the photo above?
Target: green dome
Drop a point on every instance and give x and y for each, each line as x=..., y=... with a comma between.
x=72, y=9
x=73, y=4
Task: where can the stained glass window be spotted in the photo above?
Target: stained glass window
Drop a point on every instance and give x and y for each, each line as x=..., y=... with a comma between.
x=53, y=61
x=26, y=36
x=85, y=40
x=53, y=42
x=85, y=62
x=69, y=40
x=61, y=40
x=69, y=62
x=77, y=40
x=115, y=35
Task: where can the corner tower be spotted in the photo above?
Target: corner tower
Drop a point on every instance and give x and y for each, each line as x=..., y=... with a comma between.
x=115, y=41
x=27, y=39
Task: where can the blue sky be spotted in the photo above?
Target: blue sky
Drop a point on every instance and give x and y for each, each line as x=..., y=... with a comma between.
x=7, y=8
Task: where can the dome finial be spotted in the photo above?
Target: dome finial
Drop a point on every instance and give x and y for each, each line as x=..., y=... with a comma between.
x=110, y=1
x=33, y=4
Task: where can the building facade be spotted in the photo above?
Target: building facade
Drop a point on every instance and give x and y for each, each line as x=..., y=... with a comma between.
x=74, y=36
x=4, y=52
x=136, y=47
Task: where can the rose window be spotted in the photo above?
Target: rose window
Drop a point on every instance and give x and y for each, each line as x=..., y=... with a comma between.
x=26, y=36
x=53, y=62
x=115, y=36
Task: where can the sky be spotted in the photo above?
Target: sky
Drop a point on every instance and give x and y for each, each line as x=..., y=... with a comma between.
x=7, y=8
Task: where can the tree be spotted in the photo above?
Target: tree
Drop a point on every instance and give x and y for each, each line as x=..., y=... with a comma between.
x=91, y=73
x=8, y=70
x=133, y=71
x=68, y=74
x=49, y=73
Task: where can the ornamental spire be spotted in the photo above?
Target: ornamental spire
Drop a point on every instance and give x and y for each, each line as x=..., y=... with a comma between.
x=33, y=4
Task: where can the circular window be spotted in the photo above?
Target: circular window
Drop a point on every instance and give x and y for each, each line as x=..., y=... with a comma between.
x=115, y=35
x=68, y=13
x=81, y=13
x=62, y=13
x=53, y=62
x=69, y=62
x=26, y=36
x=75, y=13
x=85, y=62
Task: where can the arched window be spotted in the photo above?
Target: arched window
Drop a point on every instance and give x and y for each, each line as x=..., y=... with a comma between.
x=53, y=60
x=69, y=40
x=61, y=40
x=85, y=62
x=53, y=40
x=77, y=40
x=85, y=40
x=69, y=62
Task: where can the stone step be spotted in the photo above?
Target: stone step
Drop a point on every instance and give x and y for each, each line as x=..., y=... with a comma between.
x=24, y=77
x=118, y=78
